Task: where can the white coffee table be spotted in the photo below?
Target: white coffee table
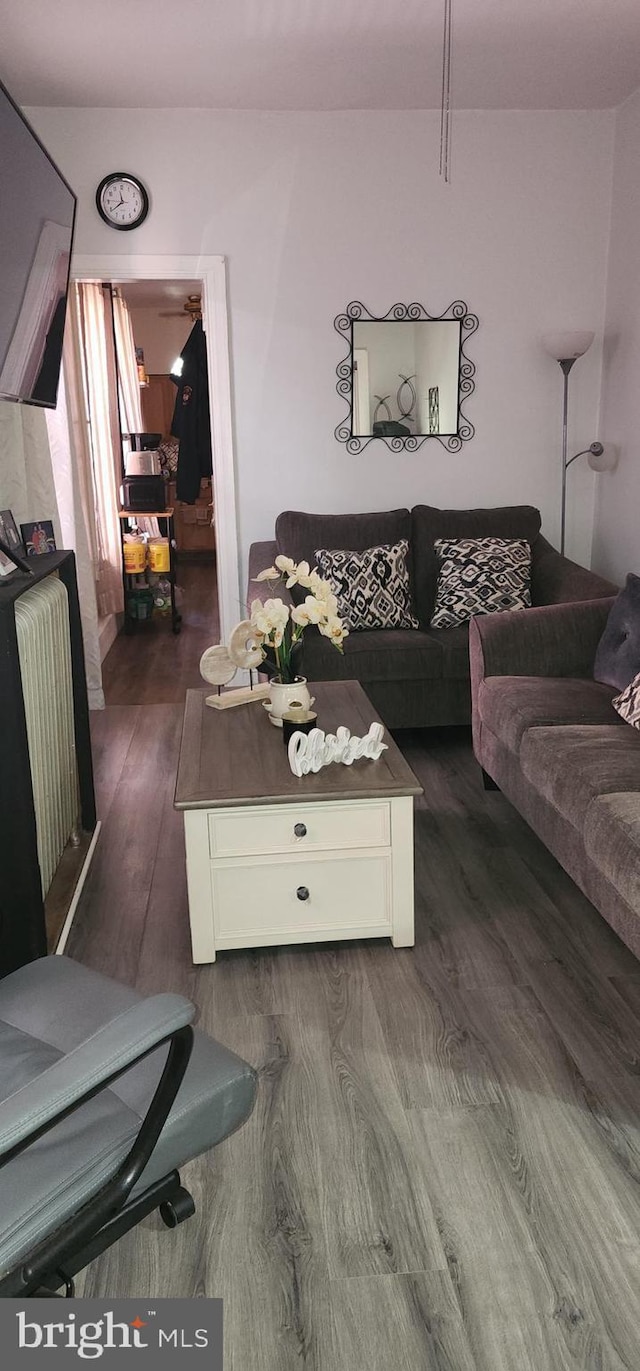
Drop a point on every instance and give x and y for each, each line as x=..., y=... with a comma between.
x=274, y=858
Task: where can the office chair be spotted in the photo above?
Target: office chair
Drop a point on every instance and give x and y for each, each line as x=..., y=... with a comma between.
x=104, y=1094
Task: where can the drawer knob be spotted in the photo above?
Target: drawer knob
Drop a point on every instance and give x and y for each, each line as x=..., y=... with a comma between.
x=300, y=830
x=302, y=892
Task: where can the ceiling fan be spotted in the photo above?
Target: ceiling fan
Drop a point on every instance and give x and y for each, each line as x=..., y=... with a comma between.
x=192, y=307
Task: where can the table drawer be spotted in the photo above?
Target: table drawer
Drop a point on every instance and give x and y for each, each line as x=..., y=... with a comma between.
x=332, y=826
x=348, y=892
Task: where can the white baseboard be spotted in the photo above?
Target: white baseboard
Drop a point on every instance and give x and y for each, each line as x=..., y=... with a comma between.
x=66, y=927
x=107, y=633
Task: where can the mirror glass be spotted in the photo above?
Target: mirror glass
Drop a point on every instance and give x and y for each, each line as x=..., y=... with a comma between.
x=406, y=378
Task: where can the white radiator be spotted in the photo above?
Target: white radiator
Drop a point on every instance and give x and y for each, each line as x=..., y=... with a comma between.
x=42, y=623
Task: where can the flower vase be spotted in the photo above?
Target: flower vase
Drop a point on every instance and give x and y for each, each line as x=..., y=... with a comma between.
x=282, y=694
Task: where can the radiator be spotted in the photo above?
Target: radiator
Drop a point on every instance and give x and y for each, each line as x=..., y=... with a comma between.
x=42, y=625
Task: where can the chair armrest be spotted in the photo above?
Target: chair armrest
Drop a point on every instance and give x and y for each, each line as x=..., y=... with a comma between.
x=551, y=640
x=90, y=1066
x=557, y=580
x=261, y=556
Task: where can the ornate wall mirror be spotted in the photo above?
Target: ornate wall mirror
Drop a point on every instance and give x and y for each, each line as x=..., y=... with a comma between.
x=405, y=376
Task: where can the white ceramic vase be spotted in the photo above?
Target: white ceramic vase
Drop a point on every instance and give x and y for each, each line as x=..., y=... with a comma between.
x=282, y=694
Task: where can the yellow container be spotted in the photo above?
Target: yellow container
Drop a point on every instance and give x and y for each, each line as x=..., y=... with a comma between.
x=135, y=556
x=159, y=559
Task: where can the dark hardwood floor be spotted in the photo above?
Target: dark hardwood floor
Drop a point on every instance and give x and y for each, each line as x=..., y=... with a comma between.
x=152, y=665
x=442, y=1167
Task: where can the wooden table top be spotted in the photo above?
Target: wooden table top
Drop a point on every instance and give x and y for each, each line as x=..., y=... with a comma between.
x=237, y=757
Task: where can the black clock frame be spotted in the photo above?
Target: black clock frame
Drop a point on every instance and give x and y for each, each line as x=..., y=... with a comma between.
x=118, y=176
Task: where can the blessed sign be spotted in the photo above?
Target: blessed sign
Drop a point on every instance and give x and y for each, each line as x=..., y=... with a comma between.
x=311, y=751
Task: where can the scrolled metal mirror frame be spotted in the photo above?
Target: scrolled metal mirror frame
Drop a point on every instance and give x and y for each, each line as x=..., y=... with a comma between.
x=343, y=324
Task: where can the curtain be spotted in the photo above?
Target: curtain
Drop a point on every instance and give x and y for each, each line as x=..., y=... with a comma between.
x=26, y=474
x=105, y=460
x=71, y=455
x=128, y=383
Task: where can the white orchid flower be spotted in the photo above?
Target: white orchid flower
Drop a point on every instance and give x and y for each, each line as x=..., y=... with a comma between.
x=335, y=630
x=271, y=574
x=270, y=616
x=300, y=616
x=319, y=587
x=302, y=575
x=285, y=564
x=330, y=606
x=315, y=609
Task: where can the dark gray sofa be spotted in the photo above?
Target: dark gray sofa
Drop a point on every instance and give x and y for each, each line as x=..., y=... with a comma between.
x=415, y=677
x=546, y=733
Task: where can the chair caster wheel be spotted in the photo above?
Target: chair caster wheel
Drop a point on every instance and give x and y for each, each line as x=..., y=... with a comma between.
x=173, y=1212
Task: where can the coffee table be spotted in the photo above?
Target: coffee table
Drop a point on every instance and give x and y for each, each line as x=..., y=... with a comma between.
x=275, y=858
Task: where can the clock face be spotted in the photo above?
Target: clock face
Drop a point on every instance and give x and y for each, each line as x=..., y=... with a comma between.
x=122, y=201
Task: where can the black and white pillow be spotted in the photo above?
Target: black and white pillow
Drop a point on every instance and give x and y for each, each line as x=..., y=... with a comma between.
x=628, y=703
x=371, y=587
x=480, y=576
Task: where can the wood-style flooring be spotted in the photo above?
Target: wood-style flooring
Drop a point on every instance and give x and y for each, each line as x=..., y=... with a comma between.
x=152, y=665
x=442, y=1167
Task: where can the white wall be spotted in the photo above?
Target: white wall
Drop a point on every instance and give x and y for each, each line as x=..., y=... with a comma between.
x=616, y=544
x=313, y=210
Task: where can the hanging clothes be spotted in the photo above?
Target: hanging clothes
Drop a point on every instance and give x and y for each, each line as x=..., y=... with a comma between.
x=191, y=423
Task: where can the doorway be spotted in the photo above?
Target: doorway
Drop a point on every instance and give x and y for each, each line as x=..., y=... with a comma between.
x=209, y=274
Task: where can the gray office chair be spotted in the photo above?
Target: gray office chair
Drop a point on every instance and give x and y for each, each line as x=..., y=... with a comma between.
x=103, y=1095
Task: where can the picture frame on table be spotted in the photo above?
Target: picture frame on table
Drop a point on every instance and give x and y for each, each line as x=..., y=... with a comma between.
x=9, y=532
x=38, y=537
x=11, y=546
x=6, y=564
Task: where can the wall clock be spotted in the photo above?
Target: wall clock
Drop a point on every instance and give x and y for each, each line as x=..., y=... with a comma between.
x=122, y=201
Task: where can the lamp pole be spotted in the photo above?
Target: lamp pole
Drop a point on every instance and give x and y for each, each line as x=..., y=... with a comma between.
x=566, y=363
x=566, y=348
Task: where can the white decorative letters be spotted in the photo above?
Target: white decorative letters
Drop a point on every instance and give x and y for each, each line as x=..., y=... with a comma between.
x=311, y=751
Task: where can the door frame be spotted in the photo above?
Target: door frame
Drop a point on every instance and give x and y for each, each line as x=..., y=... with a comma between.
x=211, y=271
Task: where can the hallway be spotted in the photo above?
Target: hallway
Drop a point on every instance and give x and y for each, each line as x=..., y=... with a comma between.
x=154, y=666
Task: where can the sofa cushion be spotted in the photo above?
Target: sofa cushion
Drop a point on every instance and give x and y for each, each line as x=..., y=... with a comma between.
x=627, y=705
x=377, y=654
x=617, y=658
x=454, y=643
x=429, y=524
x=509, y=705
x=371, y=587
x=572, y=765
x=480, y=576
x=612, y=839
x=299, y=534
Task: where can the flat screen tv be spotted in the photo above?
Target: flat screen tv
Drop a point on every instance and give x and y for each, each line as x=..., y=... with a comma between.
x=37, y=214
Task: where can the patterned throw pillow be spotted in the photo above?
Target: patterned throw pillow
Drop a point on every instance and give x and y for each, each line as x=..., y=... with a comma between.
x=371, y=587
x=628, y=703
x=480, y=576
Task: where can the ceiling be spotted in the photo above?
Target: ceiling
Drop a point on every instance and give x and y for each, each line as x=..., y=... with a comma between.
x=319, y=54
x=159, y=294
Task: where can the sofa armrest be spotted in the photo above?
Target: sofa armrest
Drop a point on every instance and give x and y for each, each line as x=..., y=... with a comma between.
x=556, y=580
x=551, y=640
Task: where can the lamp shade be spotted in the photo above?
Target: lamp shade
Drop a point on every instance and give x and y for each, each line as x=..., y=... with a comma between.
x=605, y=458
x=565, y=346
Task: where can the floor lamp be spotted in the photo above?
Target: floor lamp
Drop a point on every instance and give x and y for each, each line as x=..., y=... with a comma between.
x=566, y=348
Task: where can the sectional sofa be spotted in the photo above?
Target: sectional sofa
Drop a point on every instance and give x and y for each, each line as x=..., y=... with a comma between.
x=546, y=733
